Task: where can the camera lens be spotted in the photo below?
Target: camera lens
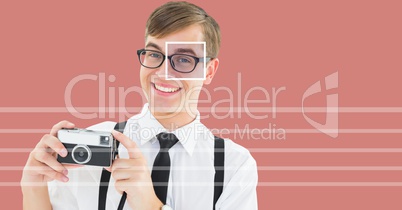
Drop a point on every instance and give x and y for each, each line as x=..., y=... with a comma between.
x=81, y=154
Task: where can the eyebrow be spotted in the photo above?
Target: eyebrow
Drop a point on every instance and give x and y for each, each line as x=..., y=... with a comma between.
x=151, y=44
x=178, y=50
x=185, y=50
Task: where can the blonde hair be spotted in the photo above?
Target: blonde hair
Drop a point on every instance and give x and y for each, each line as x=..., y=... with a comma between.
x=174, y=16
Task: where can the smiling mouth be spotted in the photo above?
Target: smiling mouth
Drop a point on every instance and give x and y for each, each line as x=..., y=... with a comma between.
x=166, y=89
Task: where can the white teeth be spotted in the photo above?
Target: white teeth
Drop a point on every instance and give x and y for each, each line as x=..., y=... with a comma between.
x=166, y=89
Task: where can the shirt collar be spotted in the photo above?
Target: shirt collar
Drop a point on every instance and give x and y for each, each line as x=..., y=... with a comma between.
x=147, y=127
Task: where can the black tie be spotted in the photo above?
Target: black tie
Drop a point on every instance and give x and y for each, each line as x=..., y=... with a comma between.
x=161, y=168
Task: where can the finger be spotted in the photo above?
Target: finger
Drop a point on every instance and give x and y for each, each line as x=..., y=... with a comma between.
x=120, y=186
x=138, y=164
x=122, y=173
x=50, y=161
x=125, y=185
x=51, y=174
x=133, y=150
x=48, y=179
x=60, y=125
x=72, y=166
x=55, y=144
x=121, y=163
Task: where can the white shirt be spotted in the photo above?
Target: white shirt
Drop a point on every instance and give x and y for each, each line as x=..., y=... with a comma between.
x=191, y=180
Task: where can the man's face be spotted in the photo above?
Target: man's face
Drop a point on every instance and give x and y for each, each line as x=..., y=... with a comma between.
x=167, y=97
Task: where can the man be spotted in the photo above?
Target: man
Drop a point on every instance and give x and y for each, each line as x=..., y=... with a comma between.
x=171, y=108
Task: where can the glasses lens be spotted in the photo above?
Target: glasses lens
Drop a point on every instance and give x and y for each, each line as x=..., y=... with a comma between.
x=183, y=63
x=151, y=59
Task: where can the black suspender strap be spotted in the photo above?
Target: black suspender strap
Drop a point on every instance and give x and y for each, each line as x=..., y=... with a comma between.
x=104, y=184
x=219, y=162
x=105, y=177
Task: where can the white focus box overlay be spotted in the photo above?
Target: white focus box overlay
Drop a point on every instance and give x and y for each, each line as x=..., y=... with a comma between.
x=178, y=49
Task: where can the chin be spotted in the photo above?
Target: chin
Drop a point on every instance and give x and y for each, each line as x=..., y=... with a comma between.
x=164, y=107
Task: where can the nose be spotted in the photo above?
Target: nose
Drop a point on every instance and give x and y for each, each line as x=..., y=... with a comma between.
x=161, y=72
x=170, y=73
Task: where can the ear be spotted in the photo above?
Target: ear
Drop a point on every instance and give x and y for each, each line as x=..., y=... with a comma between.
x=212, y=67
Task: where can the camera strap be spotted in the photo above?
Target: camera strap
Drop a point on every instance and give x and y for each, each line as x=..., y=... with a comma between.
x=105, y=177
x=219, y=163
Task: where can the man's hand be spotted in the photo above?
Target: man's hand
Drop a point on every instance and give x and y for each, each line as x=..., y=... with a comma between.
x=133, y=177
x=42, y=165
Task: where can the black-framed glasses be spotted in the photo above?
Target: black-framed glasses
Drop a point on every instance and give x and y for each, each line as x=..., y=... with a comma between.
x=182, y=63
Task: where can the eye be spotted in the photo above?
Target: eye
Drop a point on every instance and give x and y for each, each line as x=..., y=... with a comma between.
x=184, y=60
x=154, y=55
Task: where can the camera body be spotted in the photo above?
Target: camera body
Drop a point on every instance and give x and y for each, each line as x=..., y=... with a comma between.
x=87, y=147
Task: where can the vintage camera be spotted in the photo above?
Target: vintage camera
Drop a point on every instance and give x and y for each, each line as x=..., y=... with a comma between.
x=87, y=147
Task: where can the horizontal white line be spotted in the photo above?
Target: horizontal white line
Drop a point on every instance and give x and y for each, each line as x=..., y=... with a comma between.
x=205, y=109
x=266, y=150
x=330, y=168
x=365, y=131
x=259, y=168
x=250, y=130
x=330, y=184
x=260, y=184
x=326, y=150
x=24, y=130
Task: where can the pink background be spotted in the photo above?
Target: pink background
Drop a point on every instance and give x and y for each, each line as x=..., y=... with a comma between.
x=292, y=44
